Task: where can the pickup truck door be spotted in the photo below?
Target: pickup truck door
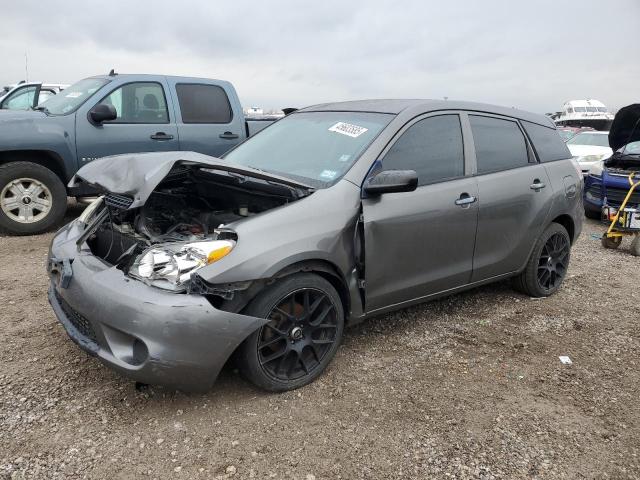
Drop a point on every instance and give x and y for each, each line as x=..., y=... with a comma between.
x=145, y=122
x=209, y=115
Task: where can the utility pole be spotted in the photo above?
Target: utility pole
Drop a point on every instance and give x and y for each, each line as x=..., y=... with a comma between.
x=26, y=66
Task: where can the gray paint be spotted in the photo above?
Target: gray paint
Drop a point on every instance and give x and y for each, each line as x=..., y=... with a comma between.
x=419, y=245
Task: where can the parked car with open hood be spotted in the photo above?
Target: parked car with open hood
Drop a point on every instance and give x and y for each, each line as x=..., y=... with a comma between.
x=334, y=214
x=609, y=179
x=41, y=149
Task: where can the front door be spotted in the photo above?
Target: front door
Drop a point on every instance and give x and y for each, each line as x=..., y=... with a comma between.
x=420, y=243
x=144, y=123
x=514, y=194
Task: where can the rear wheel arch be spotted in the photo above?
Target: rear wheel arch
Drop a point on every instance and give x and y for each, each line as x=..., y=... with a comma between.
x=567, y=222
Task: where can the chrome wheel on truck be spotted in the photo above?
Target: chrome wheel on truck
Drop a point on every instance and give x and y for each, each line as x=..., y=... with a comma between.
x=32, y=198
x=25, y=200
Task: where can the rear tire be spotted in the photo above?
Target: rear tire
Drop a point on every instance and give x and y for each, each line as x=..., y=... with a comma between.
x=547, y=265
x=32, y=198
x=294, y=348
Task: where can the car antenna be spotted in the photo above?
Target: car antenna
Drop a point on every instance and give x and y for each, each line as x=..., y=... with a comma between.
x=112, y=73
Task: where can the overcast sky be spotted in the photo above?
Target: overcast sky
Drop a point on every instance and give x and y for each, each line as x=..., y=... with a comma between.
x=532, y=54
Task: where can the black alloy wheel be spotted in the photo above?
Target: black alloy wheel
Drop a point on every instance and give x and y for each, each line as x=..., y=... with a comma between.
x=302, y=335
x=301, y=332
x=554, y=261
x=547, y=265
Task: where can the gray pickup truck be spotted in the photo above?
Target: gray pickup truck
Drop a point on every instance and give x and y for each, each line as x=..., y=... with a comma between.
x=41, y=149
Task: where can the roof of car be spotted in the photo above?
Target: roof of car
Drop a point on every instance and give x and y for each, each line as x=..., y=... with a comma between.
x=396, y=106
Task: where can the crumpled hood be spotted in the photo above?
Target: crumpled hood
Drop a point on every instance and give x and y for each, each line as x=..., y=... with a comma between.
x=137, y=175
x=625, y=127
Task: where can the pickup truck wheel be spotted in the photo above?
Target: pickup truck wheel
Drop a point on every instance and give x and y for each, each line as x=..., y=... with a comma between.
x=547, y=265
x=32, y=198
x=306, y=320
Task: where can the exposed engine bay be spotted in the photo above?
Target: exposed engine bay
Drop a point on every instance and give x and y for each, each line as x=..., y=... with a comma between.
x=183, y=225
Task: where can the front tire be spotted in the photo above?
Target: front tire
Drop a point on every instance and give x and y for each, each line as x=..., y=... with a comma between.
x=301, y=338
x=547, y=265
x=32, y=198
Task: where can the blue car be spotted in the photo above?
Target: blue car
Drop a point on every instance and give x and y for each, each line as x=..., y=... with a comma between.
x=609, y=181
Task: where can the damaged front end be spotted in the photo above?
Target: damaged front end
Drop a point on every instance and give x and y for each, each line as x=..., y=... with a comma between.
x=184, y=224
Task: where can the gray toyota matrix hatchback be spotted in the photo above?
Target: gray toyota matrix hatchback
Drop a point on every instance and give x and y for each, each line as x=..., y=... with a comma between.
x=335, y=213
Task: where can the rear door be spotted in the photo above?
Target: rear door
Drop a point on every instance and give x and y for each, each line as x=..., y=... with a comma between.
x=144, y=123
x=420, y=243
x=207, y=120
x=514, y=194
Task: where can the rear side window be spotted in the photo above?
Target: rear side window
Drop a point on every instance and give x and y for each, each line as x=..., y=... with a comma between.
x=432, y=147
x=500, y=144
x=547, y=142
x=203, y=104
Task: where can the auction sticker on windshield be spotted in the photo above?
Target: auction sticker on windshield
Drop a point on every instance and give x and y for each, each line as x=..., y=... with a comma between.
x=348, y=129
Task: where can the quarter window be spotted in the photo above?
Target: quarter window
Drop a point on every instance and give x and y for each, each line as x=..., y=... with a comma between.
x=432, y=147
x=140, y=102
x=547, y=142
x=500, y=144
x=203, y=104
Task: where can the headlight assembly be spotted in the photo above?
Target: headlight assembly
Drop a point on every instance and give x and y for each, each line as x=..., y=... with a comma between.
x=170, y=266
x=596, y=170
x=591, y=158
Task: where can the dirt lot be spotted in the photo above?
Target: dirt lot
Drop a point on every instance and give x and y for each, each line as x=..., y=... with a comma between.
x=467, y=387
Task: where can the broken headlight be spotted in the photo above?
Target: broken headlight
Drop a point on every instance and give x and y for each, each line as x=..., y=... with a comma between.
x=170, y=266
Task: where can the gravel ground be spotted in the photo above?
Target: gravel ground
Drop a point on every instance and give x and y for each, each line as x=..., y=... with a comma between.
x=466, y=387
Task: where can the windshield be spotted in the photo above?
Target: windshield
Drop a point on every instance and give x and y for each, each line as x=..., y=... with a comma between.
x=566, y=134
x=632, y=148
x=72, y=97
x=593, y=139
x=315, y=148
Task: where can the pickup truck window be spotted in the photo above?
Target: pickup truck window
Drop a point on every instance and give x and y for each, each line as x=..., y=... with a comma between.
x=316, y=148
x=71, y=98
x=203, y=103
x=139, y=102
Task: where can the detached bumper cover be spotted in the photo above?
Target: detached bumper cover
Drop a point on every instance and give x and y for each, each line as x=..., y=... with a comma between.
x=151, y=336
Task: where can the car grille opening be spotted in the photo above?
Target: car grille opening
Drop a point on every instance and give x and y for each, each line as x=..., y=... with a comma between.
x=121, y=202
x=615, y=196
x=78, y=321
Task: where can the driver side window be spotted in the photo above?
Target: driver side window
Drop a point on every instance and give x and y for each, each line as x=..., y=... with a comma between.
x=432, y=147
x=140, y=102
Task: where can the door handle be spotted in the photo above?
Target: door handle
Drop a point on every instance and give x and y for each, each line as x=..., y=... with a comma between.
x=465, y=199
x=161, y=136
x=537, y=185
x=228, y=135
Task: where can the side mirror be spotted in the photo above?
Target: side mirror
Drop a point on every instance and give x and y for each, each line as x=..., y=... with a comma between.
x=102, y=113
x=392, y=181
